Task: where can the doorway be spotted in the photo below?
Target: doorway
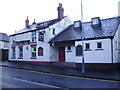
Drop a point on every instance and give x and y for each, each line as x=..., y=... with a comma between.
x=61, y=54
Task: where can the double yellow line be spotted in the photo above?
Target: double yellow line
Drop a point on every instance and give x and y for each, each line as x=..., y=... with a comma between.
x=69, y=76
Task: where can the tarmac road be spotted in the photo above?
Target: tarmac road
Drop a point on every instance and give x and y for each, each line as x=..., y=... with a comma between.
x=20, y=78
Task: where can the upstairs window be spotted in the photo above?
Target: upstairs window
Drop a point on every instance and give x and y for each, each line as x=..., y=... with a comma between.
x=95, y=22
x=53, y=31
x=41, y=36
x=79, y=50
x=34, y=36
x=40, y=51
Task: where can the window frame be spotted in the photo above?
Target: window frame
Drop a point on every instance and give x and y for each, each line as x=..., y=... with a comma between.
x=53, y=31
x=13, y=52
x=69, y=48
x=40, y=51
x=33, y=36
x=97, y=46
x=20, y=52
x=33, y=53
x=41, y=37
x=87, y=48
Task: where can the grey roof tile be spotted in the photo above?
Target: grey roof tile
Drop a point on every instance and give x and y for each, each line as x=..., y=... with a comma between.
x=34, y=26
x=4, y=37
x=108, y=28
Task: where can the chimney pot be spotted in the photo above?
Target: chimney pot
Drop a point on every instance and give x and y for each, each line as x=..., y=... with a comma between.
x=60, y=12
x=26, y=22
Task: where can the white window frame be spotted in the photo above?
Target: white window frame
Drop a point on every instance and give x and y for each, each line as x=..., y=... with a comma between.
x=34, y=36
x=20, y=52
x=33, y=52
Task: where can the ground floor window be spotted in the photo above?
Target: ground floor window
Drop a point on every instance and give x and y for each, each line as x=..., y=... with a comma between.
x=40, y=51
x=20, y=52
x=13, y=52
x=99, y=45
x=33, y=50
x=79, y=50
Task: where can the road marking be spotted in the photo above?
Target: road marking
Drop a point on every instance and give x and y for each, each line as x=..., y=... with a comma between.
x=41, y=84
x=61, y=75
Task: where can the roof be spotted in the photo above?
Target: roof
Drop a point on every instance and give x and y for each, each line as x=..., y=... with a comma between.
x=36, y=26
x=4, y=37
x=108, y=28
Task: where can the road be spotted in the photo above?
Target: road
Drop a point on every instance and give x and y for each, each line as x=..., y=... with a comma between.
x=19, y=78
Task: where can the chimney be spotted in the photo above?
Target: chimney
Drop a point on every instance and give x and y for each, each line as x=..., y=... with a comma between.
x=26, y=22
x=34, y=22
x=60, y=12
x=119, y=8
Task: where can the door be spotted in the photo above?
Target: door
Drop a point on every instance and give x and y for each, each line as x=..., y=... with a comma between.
x=61, y=52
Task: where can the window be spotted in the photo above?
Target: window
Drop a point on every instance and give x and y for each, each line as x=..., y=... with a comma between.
x=13, y=52
x=6, y=45
x=33, y=49
x=116, y=45
x=96, y=22
x=79, y=50
x=53, y=31
x=41, y=36
x=20, y=52
x=34, y=36
x=99, y=45
x=69, y=48
x=40, y=51
x=87, y=46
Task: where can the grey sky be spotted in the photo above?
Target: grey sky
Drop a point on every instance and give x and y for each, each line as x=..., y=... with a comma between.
x=15, y=12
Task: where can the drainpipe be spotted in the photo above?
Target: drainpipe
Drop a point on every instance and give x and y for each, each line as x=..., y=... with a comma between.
x=112, y=49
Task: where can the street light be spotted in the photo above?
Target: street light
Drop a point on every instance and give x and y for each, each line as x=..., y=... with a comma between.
x=83, y=64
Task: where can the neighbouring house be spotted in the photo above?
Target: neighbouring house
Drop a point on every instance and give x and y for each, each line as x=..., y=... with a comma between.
x=100, y=42
x=4, y=46
x=31, y=43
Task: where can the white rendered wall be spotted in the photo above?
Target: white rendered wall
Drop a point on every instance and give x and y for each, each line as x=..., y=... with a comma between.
x=116, y=47
x=61, y=25
x=49, y=53
x=96, y=56
x=119, y=43
x=70, y=54
x=4, y=45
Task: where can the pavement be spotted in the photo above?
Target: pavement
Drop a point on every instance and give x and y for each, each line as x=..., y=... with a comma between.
x=57, y=69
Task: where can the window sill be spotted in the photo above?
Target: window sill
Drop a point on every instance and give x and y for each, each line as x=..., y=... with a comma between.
x=41, y=40
x=32, y=42
x=69, y=51
x=20, y=57
x=98, y=49
x=79, y=56
x=33, y=58
x=87, y=50
x=13, y=58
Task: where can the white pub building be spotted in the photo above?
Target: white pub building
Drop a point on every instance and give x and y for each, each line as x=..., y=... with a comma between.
x=59, y=40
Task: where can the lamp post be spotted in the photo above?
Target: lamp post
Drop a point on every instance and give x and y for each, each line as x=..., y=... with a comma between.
x=83, y=63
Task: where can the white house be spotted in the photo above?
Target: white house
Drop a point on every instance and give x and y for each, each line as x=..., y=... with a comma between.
x=59, y=40
x=4, y=46
x=100, y=42
x=31, y=43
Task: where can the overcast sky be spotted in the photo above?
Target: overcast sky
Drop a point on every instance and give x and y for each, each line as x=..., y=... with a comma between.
x=13, y=13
